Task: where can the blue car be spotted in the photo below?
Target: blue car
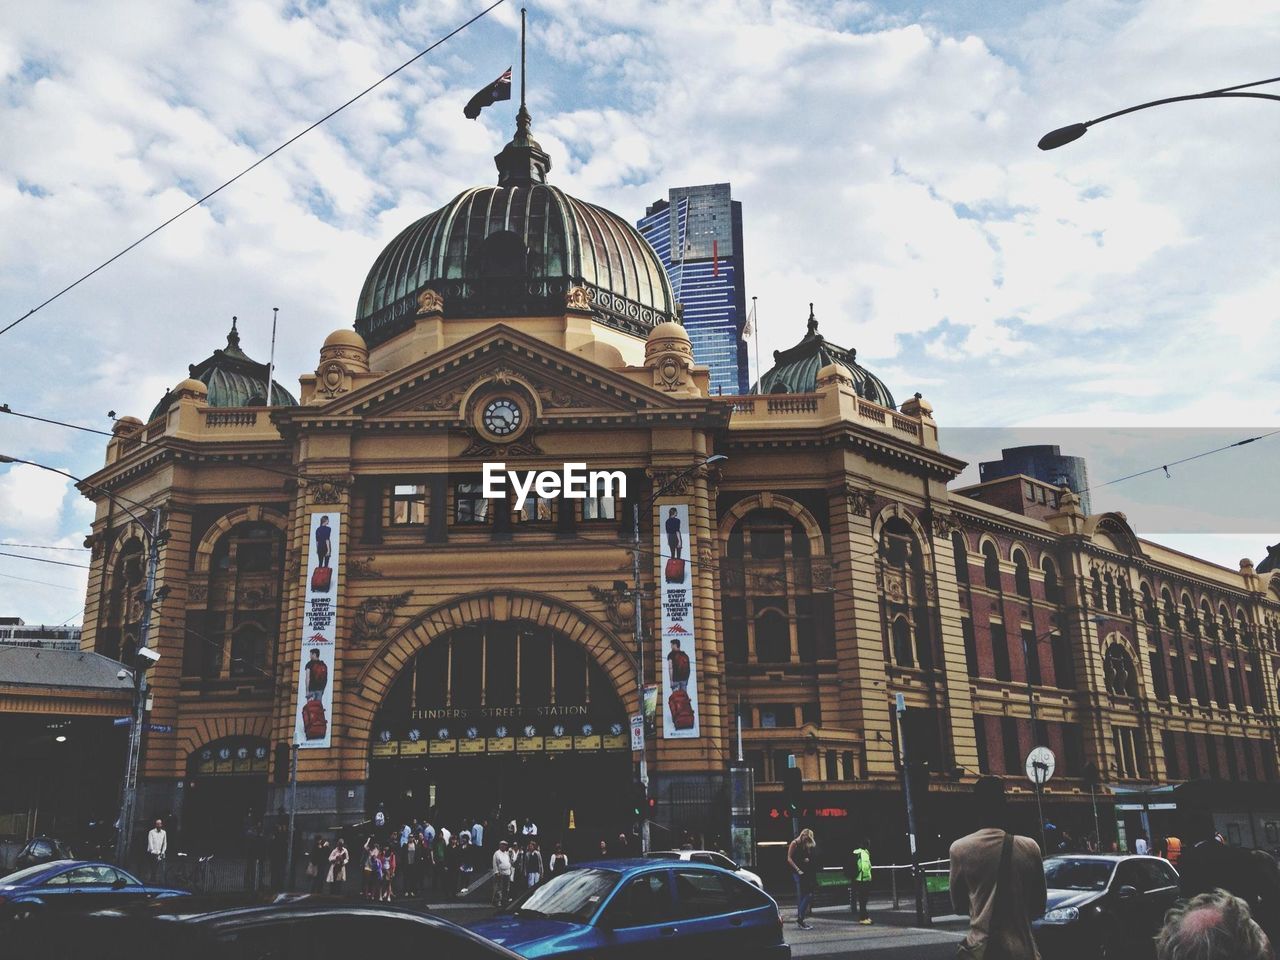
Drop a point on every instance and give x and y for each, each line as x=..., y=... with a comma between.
x=73, y=884
x=632, y=909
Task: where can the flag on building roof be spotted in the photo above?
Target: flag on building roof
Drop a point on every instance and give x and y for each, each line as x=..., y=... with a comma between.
x=500, y=89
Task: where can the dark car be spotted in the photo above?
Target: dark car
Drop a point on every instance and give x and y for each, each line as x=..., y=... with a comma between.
x=1104, y=906
x=287, y=928
x=77, y=884
x=633, y=909
x=41, y=850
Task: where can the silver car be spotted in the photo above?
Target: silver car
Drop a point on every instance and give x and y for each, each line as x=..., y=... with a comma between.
x=708, y=856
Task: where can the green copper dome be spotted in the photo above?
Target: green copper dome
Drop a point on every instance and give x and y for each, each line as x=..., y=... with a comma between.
x=796, y=370
x=234, y=379
x=516, y=249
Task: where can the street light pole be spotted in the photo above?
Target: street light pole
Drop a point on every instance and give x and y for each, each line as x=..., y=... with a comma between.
x=637, y=622
x=144, y=656
x=1064, y=135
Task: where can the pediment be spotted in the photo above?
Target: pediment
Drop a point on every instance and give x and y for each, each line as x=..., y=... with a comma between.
x=438, y=387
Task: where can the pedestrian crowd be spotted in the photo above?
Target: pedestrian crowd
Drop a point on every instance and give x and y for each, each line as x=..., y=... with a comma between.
x=421, y=859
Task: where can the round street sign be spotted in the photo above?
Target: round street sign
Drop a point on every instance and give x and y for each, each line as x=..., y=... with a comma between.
x=1040, y=765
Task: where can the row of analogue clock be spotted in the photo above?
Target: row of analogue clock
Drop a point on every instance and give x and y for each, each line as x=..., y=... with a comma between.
x=473, y=733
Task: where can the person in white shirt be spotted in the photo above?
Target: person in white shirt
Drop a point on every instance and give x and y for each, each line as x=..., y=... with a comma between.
x=157, y=847
x=502, y=872
x=477, y=833
x=529, y=830
x=1140, y=846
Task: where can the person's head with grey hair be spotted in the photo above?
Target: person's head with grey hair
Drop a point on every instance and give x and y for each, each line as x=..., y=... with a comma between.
x=1212, y=926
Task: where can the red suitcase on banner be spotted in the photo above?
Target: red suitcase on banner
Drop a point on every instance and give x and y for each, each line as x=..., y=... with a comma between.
x=681, y=710
x=321, y=579
x=675, y=570
x=314, y=723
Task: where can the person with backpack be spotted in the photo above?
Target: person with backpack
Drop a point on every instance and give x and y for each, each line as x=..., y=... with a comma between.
x=859, y=870
x=997, y=879
x=678, y=666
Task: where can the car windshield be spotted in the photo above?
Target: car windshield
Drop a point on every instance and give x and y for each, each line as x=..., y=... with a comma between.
x=24, y=874
x=1064, y=873
x=661, y=855
x=574, y=896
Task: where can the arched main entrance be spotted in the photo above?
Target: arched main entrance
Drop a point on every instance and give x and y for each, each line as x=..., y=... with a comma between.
x=226, y=793
x=500, y=720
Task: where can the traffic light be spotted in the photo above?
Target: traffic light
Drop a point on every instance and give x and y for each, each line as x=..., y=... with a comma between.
x=792, y=790
x=282, y=764
x=640, y=799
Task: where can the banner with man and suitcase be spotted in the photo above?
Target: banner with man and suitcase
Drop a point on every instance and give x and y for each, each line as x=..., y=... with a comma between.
x=319, y=635
x=679, y=652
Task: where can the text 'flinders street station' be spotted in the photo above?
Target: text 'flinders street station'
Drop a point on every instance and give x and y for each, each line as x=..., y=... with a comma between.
x=334, y=575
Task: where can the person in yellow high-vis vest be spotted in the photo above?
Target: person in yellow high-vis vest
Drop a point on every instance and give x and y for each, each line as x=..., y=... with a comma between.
x=860, y=881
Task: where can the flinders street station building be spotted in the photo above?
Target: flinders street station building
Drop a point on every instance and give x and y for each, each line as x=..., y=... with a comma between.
x=419, y=567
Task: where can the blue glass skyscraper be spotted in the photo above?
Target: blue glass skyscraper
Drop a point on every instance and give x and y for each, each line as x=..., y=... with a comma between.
x=697, y=231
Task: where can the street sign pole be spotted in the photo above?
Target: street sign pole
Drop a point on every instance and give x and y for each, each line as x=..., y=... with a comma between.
x=922, y=916
x=1040, y=766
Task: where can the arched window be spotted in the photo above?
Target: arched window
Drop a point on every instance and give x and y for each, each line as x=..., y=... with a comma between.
x=1122, y=679
x=1148, y=606
x=119, y=629
x=1126, y=598
x=1021, y=575
x=772, y=598
x=1209, y=622
x=1111, y=592
x=1052, y=591
x=990, y=566
x=1096, y=579
x=1189, y=615
x=961, y=553
x=773, y=637
x=902, y=642
x=1170, y=610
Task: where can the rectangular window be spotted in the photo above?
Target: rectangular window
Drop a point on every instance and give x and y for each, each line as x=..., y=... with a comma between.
x=1012, y=751
x=599, y=508
x=1172, y=767
x=469, y=504
x=1193, y=757
x=811, y=713
x=536, y=510
x=408, y=505
x=781, y=760
x=735, y=629
x=1030, y=489
x=1033, y=657
x=1250, y=770
x=1000, y=651
x=777, y=715
x=833, y=766
x=1159, y=679
x=1201, y=682
x=846, y=765
x=980, y=738
x=1178, y=666
x=1072, y=749
x=1063, y=670
x=755, y=760
x=970, y=647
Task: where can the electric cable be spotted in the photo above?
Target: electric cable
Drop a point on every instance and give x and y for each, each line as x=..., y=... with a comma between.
x=1173, y=463
x=261, y=160
x=43, y=583
x=39, y=546
x=61, y=563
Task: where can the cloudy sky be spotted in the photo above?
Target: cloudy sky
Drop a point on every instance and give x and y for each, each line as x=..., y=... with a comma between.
x=884, y=154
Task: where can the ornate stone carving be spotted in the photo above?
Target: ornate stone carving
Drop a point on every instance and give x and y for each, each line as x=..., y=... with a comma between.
x=292, y=564
x=254, y=597
x=708, y=559
x=430, y=303
x=446, y=401
x=198, y=593
x=374, y=616
x=860, y=499
x=894, y=585
x=942, y=524
x=553, y=396
x=483, y=448
x=332, y=379
x=363, y=569
x=328, y=490
x=669, y=480
x=619, y=609
x=578, y=300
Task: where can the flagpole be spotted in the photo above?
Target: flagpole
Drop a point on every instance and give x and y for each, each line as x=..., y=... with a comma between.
x=755, y=329
x=522, y=9
x=271, y=361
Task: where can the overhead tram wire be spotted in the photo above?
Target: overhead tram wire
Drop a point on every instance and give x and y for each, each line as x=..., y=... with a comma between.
x=1173, y=463
x=40, y=546
x=43, y=583
x=61, y=563
x=261, y=160
x=4, y=408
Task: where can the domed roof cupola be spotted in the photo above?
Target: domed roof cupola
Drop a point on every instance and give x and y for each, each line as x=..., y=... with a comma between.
x=795, y=370
x=517, y=249
x=234, y=379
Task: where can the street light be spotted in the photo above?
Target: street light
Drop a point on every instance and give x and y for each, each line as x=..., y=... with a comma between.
x=1064, y=135
x=637, y=625
x=144, y=657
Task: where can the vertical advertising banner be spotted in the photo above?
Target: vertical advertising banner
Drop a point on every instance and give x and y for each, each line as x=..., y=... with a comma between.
x=679, y=652
x=319, y=634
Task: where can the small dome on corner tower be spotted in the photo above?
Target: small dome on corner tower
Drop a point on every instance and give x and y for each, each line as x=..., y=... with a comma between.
x=345, y=337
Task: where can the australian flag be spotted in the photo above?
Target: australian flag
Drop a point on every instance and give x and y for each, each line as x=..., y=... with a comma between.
x=500, y=89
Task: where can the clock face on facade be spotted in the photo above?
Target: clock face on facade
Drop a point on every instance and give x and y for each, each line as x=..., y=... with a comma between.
x=502, y=417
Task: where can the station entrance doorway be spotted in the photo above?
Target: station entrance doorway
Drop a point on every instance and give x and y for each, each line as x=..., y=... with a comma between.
x=501, y=721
